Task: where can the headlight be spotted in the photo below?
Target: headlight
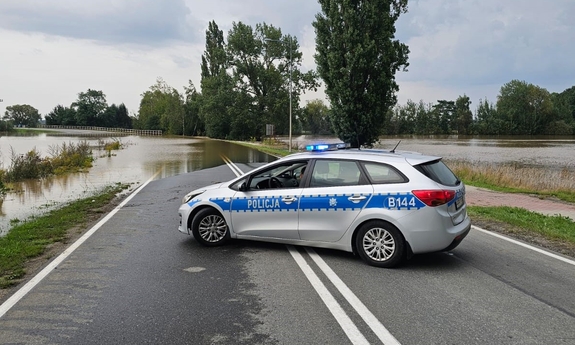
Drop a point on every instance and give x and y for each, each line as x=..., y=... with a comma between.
x=191, y=195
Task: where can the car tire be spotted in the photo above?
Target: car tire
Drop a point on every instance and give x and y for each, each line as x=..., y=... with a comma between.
x=210, y=228
x=380, y=244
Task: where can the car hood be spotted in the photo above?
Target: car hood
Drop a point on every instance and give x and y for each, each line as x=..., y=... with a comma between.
x=210, y=187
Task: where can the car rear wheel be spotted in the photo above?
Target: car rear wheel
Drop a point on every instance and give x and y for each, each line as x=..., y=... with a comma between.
x=380, y=244
x=210, y=228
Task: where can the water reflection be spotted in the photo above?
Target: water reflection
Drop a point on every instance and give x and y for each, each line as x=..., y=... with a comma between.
x=141, y=158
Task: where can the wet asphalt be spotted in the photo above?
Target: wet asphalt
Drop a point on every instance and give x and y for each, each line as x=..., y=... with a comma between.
x=137, y=280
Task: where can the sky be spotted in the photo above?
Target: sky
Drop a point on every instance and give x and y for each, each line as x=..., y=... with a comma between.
x=51, y=50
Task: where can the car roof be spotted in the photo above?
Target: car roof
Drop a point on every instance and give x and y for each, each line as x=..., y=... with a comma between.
x=413, y=158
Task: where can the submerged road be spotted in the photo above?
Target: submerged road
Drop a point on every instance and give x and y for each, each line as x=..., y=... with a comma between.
x=137, y=280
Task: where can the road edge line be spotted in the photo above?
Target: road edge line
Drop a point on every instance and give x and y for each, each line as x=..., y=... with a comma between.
x=23, y=291
x=525, y=245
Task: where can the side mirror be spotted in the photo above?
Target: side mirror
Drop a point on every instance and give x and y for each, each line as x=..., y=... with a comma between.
x=243, y=187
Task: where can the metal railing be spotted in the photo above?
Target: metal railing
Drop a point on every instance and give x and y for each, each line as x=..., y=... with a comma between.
x=126, y=131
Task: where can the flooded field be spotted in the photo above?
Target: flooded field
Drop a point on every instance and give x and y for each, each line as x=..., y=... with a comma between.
x=140, y=159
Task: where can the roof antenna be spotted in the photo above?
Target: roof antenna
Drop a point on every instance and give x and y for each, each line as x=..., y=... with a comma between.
x=393, y=151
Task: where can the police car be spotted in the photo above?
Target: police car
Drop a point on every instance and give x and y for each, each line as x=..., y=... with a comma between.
x=384, y=206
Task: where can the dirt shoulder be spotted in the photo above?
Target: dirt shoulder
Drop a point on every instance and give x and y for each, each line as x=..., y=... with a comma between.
x=484, y=197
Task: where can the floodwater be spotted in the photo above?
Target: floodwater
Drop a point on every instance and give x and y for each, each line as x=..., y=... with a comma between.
x=546, y=152
x=143, y=158
x=140, y=159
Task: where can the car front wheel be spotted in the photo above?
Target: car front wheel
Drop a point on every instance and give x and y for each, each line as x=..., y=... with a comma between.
x=380, y=244
x=210, y=228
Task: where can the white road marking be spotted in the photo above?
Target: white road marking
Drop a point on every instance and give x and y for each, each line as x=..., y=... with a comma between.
x=336, y=310
x=378, y=328
x=234, y=168
x=18, y=295
x=538, y=250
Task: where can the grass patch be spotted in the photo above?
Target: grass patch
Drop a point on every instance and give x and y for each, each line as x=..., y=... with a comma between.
x=30, y=239
x=65, y=158
x=551, y=227
x=114, y=144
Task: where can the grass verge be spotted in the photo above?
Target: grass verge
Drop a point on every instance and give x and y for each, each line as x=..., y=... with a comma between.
x=32, y=238
x=271, y=150
x=557, y=227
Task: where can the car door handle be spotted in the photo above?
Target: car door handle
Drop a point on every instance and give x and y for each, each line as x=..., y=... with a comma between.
x=289, y=199
x=356, y=198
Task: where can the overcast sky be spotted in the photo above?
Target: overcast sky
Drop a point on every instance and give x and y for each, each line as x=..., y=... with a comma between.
x=50, y=50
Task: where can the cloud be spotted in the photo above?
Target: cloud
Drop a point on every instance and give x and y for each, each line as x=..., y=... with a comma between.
x=52, y=50
x=490, y=42
x=143, y=22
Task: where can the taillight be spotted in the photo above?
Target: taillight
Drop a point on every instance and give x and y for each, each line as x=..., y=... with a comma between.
x=434, y=197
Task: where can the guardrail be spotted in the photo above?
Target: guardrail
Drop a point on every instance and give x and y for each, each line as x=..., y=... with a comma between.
x=126, y=131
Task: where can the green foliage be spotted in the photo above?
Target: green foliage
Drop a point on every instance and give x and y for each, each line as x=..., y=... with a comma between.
x=68, y=157
x=162, y=107
x=90, y=108
x=524, y=107
x=194, y=124
x=357, y=57
x=61, y=115
x=443, y=116
x=246, y=83
x=463, y=115
x=22, y=115
x=316, y=118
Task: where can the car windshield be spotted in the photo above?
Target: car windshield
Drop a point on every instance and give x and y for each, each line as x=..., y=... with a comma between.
x=438, y=172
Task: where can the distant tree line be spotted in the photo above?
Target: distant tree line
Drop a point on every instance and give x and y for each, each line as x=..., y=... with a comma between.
x=521, y=109
x=90, y=109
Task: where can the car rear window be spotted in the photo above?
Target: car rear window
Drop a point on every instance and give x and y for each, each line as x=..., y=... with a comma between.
x=438, y=172
x=382, y=173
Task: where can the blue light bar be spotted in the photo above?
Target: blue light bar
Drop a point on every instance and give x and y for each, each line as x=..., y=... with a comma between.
x=327, y=147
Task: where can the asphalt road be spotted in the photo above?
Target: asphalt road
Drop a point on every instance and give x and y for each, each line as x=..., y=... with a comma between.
x=137, y=280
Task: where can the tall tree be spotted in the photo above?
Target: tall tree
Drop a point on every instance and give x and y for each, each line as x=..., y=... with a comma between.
x=246, y=81
x=22, y=115
x=444, y=113
x=487, y=121
x=194, y=124
x=316, y=117
x=61, y=115
x=89, y=107
x=265, y=69
x=527, y=108
x=357, y=57
x=161, y=108
x=216, y=84
x=463, y=115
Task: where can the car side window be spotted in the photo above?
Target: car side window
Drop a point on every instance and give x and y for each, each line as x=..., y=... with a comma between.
x=330, y=173
x=285, y=175
x=383, y=173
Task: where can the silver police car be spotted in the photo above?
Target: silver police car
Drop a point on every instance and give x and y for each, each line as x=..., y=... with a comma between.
x=384, y=206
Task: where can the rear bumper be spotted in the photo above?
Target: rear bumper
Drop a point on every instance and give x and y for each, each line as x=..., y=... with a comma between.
x=457, y=240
